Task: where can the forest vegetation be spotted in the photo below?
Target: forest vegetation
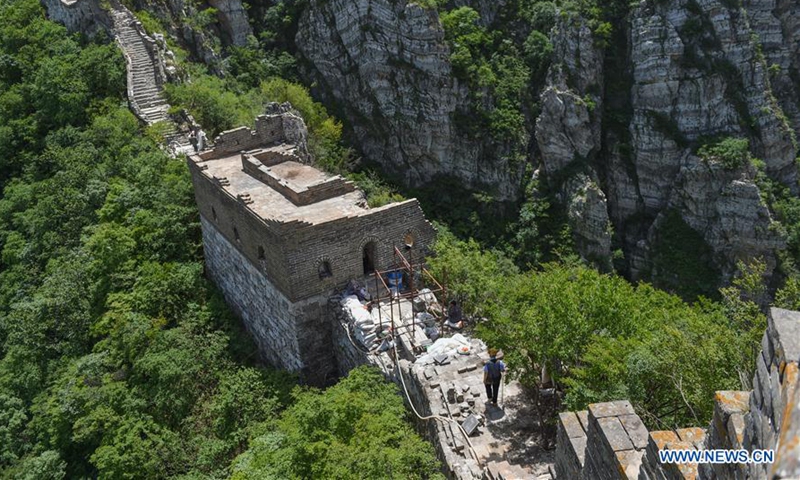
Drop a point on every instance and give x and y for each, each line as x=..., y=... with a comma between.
x=119, y=359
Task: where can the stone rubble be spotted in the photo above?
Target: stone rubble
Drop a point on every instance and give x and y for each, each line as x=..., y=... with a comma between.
x=505, y=438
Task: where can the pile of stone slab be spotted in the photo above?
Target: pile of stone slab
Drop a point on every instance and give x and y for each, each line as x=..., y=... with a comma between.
x=414, y=326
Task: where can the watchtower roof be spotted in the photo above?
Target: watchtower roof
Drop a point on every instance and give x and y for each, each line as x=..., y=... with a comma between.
x=275, y=184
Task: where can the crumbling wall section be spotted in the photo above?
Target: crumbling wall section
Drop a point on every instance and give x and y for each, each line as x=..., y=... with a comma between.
x=768, y=417
x=281, y=124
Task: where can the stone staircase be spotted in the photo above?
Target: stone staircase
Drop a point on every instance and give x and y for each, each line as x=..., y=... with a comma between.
x=146, y=78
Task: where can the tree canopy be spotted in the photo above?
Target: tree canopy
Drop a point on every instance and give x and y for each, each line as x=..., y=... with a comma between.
x=602, y=338
x=118, y=359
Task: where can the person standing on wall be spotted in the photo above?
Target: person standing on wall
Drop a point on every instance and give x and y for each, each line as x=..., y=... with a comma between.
x=493, y=375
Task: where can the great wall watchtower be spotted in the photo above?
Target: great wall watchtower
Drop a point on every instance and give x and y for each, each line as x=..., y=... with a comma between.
x=280, y=236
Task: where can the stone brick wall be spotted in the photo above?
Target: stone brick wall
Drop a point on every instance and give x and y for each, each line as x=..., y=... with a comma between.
x=269, y=129
x=571, y=443
x=341, y=243
x=768, y=410
x=768, y=417
x=331, y=187
x=292, y=265
x=292, y=336
x=280, y=125
x=683, y=438
x=615, y=441
x=231, y=217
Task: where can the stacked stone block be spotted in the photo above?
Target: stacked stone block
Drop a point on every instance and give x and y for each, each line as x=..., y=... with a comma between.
x=615, y=442
x=571, y=443
x=681, y=439
x=727, y=432
x=774, y=388
x=768, y=417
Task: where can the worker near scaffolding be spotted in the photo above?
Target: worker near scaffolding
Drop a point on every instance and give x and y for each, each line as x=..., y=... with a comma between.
x=493, y=375
x=455, y=318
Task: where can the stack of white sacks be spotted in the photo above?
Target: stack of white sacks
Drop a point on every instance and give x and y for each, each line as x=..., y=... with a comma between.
x=366, y=324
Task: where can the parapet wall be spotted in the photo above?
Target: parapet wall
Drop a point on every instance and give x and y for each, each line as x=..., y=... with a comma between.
x=341, y=241
x=609, y=440
x=280, y=125
x=306, y=195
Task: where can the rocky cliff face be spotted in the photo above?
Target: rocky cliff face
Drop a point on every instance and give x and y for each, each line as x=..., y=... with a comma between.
x=697, y=71
x=386, y=64
x=85, y=16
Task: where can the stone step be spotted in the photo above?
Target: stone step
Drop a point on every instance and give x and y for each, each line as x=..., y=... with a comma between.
x=505, y=471
x=146, y=93
x=153, y=106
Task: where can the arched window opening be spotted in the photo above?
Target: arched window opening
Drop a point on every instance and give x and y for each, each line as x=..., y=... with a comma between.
x=408, y=240
x=236, y=234
x=368, y=258
x=324, y=270
x=214, y=214
x=261, y=255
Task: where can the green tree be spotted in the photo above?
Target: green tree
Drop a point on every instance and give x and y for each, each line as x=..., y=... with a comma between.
x=355, y=429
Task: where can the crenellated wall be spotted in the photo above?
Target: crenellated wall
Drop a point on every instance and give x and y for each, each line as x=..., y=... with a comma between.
x=609, y=440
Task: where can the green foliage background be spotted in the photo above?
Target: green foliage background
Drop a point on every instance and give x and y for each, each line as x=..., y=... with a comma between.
x=601, y=338
x=117, y=358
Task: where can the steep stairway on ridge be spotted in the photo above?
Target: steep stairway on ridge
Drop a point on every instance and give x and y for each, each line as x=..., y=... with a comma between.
x=146, y=78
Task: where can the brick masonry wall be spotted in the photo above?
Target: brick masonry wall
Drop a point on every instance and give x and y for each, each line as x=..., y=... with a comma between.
x=290, y=335
x=293, y=265
x=269, y=129
x=226, y=214
x=341, y=243
x=768, y=417
x=571, y=442
x=615, y=441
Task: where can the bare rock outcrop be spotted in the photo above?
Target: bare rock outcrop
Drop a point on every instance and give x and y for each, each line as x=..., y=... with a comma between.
x=233, y=19
x=85, y=16
x=697, y=72
x=568, y=132
x=387, y=65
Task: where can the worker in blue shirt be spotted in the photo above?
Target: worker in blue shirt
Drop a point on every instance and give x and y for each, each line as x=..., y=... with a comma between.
x=493, y=375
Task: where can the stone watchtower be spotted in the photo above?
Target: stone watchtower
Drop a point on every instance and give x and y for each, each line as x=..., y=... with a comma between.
x=280, y=236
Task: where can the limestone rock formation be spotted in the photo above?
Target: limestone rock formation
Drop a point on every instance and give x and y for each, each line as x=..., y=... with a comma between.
x=568, y=132
x=588, y=215
x=386, y=64
x=696, y=73
x=85, y=16
x=233, y=18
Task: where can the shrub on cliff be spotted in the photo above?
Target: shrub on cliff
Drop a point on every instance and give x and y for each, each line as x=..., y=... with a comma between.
x=731, y=152
x=354, y=429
